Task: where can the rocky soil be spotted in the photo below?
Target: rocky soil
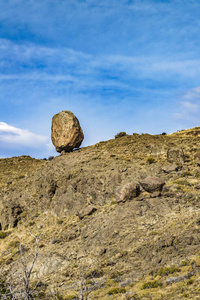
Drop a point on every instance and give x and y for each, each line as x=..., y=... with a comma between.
x=122, y=217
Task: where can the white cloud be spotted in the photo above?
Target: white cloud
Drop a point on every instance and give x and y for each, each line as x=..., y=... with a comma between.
x=14, y=138
x=189, y=107
x=193, y=94
x=87, y=71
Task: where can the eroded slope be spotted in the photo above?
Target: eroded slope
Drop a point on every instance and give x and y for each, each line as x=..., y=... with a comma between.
x=121, y=244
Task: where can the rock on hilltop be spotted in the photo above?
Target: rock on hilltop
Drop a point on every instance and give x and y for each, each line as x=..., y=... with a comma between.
x=66, y=132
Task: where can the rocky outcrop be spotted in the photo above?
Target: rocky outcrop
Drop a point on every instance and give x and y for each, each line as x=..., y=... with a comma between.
x=127, y=191
x=11, y=216
x=87, y=211
x=66, y=132
x=152, y=184
x=175, y=155
x=170, y=168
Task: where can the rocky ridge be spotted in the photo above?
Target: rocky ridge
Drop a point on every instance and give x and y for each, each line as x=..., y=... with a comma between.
x=125, y=212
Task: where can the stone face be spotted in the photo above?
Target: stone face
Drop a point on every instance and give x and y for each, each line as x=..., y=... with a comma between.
x=152, y=184
x=66, y=132
x=175, y=155
x=170, y=168
x=127, y=191
x=11, y=216
x=87, y=211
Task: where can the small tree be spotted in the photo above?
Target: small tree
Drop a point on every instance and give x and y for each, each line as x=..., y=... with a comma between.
x=85, y=289
x=18, y=285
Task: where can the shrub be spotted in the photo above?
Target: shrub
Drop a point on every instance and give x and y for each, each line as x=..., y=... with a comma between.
x=117, y=290
x=186, y=173
x=50, y=158
x=184, y=263
x=3, y=288
x=14, y=244
x=168, y=270
x=120, y=134
x=190, y=281
x=115, y=274
x=151, y=285
x=95, y=273
x=182, y=182
x=59, y=221
x=3, y=235
x=197, y=175
x=71, y=297
x=31, y=223
x=23, y=214
x=20, y=177
x=150, y=160
x=164, y=133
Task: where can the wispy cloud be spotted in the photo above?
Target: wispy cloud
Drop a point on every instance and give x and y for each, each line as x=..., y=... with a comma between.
x=13, y=138
x=192, y=94
x=33, y=62
x=189, y=106
x=113, y=63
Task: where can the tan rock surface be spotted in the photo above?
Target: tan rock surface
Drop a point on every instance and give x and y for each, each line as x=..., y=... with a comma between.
x=139, y=243
x=66, y=132
x=175, y=155
x=152, y=184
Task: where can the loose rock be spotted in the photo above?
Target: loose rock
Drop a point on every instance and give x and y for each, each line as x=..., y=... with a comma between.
x=170, y=168
x=66, y=132
x=152, y=184
x=128, y=191
x=175, y=155
x=86, y=211
x=171, y=280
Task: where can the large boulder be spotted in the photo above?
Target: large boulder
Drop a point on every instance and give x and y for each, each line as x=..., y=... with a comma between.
x=66, y=132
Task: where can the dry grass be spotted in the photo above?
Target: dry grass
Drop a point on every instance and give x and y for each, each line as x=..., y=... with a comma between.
x=138, y=242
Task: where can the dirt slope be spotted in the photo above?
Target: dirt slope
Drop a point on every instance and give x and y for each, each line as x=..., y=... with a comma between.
x=147, y=247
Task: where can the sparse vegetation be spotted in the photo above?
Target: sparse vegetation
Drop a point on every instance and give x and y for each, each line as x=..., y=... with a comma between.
x=168, y=270
x=150, y=160
x=71, y=297
x=50, y=158
x=3, y=235
x=59, y=221
x=121, y=245
x=23, y=214
x=117, y=290
x=120, y=134
x=151, y=285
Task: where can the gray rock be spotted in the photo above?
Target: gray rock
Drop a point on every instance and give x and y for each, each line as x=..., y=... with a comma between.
x=175, y=155
x=86, y=211
x=125, y=283
x=152, y=184
x=127, y=191
x=171, y=280
x=170, y=168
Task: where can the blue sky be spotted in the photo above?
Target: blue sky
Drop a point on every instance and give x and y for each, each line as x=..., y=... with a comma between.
x=118, y=65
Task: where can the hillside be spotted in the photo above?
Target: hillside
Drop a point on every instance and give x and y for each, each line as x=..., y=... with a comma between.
x=146, y=246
